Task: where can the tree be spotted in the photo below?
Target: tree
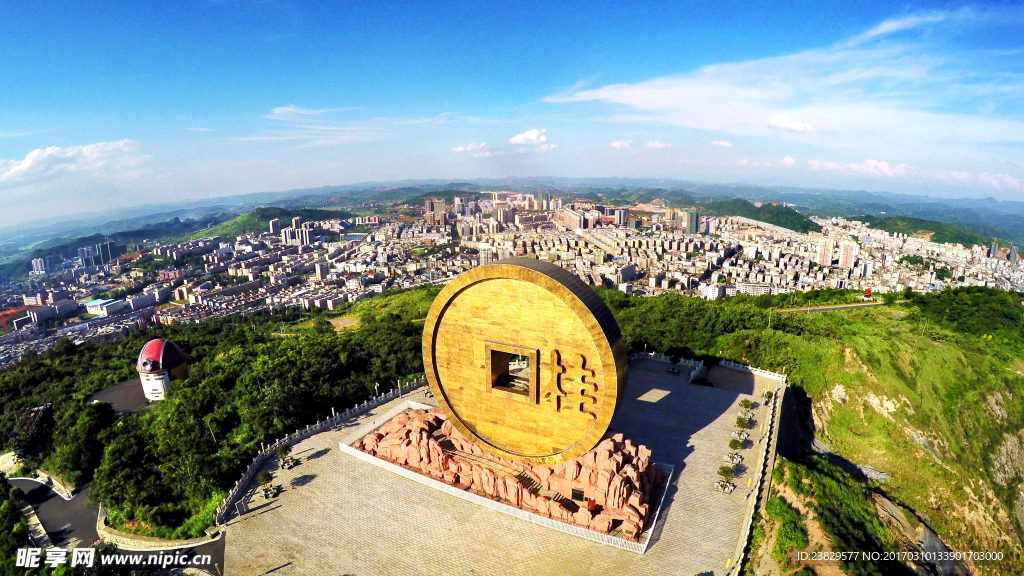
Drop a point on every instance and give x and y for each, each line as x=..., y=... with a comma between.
x=727, y=472
x=77, y=452
x=33, y=434
x=264, y=478
x=742, y=422
x=323, y=327
x=746, y=404
x=126, y=473
x=735, y=444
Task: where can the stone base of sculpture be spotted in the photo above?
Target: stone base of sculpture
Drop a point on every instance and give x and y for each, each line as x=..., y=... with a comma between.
x=608, y=489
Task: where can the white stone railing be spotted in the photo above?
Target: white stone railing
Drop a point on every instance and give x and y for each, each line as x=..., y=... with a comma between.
x=225, y=508
x=659, y=357
x=752, y=370
x=769, y=435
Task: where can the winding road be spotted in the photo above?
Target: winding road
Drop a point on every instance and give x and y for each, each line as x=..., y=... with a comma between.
x=73, y=522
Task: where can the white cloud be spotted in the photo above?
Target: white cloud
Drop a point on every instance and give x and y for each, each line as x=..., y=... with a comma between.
x=293, y=113
x=547, y=147
x=470, y=147
x=872, y=167
x=787, y=162
x=721, y=143
x=657, y=145
x=869, y=167
x=924, y=99
x=621, y=144
x=900, y=24
x=998, y=181
x=742, y=162
x=535, y=136
x=200, y=130
x=103, y=159
x=312, y=128
x=784, y=122
x=954, y=177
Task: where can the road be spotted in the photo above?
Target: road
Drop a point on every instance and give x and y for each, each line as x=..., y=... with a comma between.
x=63, y=520
x=75, y=519
x=829, y=308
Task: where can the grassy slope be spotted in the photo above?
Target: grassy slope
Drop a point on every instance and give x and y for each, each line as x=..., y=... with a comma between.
x=259, y=221
x=412, y=304
x=941, y=233
x=778, y=215
x=935, y=437
x=902, y=388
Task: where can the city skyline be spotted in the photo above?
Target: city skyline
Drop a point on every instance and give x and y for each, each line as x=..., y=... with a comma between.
x=136, y=105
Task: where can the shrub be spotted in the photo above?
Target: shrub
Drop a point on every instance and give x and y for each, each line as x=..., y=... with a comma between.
x=746, y=404
x=735, y=444
x=741, y=422
x=264, y=478
x=727, y=472
x=791, y=534
x=283, y=451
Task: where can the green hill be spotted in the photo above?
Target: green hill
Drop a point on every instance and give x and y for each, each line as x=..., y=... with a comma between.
x=770, y=213
x=926, y=229
x=19, y=265
x=929, y=391
x=259, y=221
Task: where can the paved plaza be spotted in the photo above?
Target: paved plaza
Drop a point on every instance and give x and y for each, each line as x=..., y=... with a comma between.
x=339, y=515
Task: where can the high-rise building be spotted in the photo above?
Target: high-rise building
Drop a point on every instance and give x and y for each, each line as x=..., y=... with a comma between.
x=321, y=271
x=297, y=222
x=85, y=254
x=621, y=216
x=295, y=236
x=825, y=248
x=103, y=253
x=439, y=212
x=847, y=254
x=39, y=265
x=693, y=221
x=867, y=269
x=1013, y=253
x=275, y=226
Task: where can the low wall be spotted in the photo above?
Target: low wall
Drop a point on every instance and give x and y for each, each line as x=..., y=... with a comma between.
x=238, y=491
x=128, y=541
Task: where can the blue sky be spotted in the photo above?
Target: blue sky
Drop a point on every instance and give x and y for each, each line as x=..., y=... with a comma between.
x=126, y=103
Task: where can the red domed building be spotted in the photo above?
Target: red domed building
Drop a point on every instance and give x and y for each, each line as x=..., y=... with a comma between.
x=160, y=362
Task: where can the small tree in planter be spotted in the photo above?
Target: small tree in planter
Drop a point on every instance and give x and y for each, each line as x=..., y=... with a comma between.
x=741, y=422
x=727, y=473
x=735, y=444
x=746, y=404
x=282, y=454
x=264, y=479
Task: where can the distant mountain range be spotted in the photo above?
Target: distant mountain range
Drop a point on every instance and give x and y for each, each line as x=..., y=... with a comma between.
x=987, y=217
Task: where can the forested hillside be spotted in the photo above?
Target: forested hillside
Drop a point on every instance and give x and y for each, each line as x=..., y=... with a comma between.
x=19, y=265
x=929, y=390
x=926, y=229
x=770, y=213
x=259, y=221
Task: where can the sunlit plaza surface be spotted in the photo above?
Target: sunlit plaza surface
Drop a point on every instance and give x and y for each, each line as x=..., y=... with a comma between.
x=340, y=515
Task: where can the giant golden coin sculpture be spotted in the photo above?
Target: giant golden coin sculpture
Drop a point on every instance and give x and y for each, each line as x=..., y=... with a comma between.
x=526, y=359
